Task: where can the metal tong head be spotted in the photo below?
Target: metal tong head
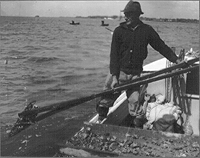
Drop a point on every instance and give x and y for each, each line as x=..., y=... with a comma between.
x=24, y=121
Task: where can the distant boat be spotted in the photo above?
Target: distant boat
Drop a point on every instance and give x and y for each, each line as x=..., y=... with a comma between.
x=103, y=24
x=37, y=16
x=74, y=23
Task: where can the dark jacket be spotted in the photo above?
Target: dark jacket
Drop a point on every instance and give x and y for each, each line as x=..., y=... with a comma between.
x=129, y=48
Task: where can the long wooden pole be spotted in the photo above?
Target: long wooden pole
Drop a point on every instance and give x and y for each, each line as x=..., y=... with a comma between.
x=153, y=79
x=142, y=80
x=167, y=70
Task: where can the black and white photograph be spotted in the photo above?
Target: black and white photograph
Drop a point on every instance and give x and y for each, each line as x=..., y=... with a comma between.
x=100, y=78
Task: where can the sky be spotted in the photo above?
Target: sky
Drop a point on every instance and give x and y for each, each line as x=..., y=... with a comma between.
x=155, y=9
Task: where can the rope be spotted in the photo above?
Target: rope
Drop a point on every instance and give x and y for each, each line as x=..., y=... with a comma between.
x=168, y=84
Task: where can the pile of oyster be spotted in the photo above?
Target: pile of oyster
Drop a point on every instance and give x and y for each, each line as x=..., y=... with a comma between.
x=135, y=145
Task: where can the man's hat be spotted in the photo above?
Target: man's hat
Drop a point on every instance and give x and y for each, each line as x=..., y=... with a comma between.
x=133, y=6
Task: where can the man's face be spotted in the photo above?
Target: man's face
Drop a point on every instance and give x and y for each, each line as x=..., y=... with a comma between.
x=131, y=16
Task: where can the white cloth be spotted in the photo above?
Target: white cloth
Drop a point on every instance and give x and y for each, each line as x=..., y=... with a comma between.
x=156, y=111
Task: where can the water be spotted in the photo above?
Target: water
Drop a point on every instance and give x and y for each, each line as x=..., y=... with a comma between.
x=48, y=60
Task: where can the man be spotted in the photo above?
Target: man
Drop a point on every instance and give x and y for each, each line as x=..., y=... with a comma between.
x=128, y=51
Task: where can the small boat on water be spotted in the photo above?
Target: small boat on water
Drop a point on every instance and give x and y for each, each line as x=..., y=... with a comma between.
x=103, y=24
x=179, y=84
x=74, y=23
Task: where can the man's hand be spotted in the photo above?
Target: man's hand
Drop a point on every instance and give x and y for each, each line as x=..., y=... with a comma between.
x=114, y=82
x=147, y=97
x=178, y=61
